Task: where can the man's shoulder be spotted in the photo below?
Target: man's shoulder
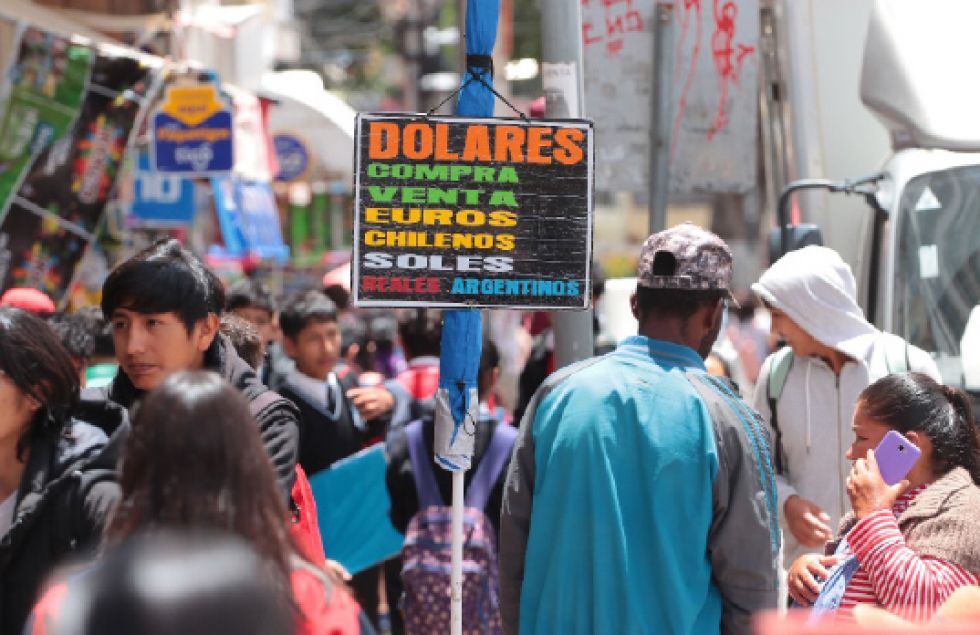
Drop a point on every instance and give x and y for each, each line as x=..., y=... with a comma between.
x=599, y=378
x=724, y=405
x=301, y=401
x=583, y=376
x=266, y=404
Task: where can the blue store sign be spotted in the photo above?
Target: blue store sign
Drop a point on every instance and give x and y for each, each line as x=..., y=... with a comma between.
x=192, y=132
x=249, y=219
x=292, y=156
x=161, y=199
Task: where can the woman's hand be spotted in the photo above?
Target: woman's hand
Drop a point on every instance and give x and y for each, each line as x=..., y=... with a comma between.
x=802, y=577
x=867, y=489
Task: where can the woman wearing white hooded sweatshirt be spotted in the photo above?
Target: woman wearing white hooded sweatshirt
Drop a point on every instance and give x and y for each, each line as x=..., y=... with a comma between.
x=836, y=353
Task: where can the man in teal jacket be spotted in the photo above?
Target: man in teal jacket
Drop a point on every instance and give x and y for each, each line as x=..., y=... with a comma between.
x=640, y=498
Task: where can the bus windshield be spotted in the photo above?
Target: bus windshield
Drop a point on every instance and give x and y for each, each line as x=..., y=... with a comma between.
x=937, y=271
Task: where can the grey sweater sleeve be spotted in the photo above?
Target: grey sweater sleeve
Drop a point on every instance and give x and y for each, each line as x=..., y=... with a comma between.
x=515, y=520
x=743, y=542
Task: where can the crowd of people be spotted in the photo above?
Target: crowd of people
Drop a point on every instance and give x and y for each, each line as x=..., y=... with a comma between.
x=155, y=456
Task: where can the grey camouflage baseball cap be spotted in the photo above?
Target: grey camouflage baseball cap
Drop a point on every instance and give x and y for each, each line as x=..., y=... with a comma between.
x=698, y=259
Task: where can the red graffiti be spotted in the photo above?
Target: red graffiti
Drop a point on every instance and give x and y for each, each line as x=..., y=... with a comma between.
x=723, y=52
x=588, y=39
x=691, y=11
x=618, y=24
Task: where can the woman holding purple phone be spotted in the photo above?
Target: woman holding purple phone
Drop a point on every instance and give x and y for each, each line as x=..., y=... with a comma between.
x=905, y=546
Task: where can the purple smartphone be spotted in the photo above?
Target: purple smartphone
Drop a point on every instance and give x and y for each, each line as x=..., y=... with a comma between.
x=895, y=456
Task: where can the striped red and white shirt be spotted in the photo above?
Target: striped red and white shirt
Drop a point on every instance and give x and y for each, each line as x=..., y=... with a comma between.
x=891, y=574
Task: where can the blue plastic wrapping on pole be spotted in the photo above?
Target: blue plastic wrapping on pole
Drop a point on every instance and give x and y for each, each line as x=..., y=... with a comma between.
x=457, y=403
x=476, y=100
x=462, y=330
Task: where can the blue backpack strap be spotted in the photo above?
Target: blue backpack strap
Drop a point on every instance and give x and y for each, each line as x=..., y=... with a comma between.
x=492, y=464
x=426, y=488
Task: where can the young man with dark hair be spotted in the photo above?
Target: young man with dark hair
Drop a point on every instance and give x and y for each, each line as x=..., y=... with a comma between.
x=420, y=334
x=640, y=496
x=163, y=306
x=337, y=416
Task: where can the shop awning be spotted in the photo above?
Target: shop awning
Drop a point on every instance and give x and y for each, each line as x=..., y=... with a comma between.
x=305, y=110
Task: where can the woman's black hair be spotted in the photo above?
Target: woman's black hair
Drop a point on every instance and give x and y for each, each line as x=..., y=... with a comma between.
x=914, y=402
x=164, y=278
x=33, y=358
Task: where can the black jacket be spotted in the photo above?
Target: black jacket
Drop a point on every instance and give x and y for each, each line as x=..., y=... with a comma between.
x=278, y=421
x=65, y=496
x=323, y=440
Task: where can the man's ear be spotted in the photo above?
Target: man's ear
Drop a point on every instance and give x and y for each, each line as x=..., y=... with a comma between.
x=208, y=331
x=634, y=306
x=713, y=315
x=289, y=346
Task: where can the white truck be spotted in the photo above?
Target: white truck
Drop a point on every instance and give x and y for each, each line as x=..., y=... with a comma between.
x=916, y=245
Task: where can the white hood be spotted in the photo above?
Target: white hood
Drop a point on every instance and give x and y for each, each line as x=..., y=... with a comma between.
x=816, y=289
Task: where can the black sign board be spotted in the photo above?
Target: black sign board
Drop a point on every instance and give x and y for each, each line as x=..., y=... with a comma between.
x=463, y=212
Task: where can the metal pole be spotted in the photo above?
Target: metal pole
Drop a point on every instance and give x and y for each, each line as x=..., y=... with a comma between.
x=456, y=563
x=413, y=51
x=561, y=43
x=662, y=99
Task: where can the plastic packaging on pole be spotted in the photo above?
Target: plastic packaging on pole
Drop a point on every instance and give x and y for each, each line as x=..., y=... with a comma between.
x=456, y=400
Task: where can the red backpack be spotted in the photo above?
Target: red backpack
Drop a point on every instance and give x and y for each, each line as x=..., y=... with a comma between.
x=421, y=382
x=304, y=527
x=325, y=608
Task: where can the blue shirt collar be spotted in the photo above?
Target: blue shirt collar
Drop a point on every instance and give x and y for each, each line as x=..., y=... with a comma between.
x=665, y=353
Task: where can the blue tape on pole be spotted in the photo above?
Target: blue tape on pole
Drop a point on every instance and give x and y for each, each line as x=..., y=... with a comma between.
x=462, y=343
x=476, y=100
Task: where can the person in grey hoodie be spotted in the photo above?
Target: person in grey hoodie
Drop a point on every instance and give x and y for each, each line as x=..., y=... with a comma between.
x=835, y=354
